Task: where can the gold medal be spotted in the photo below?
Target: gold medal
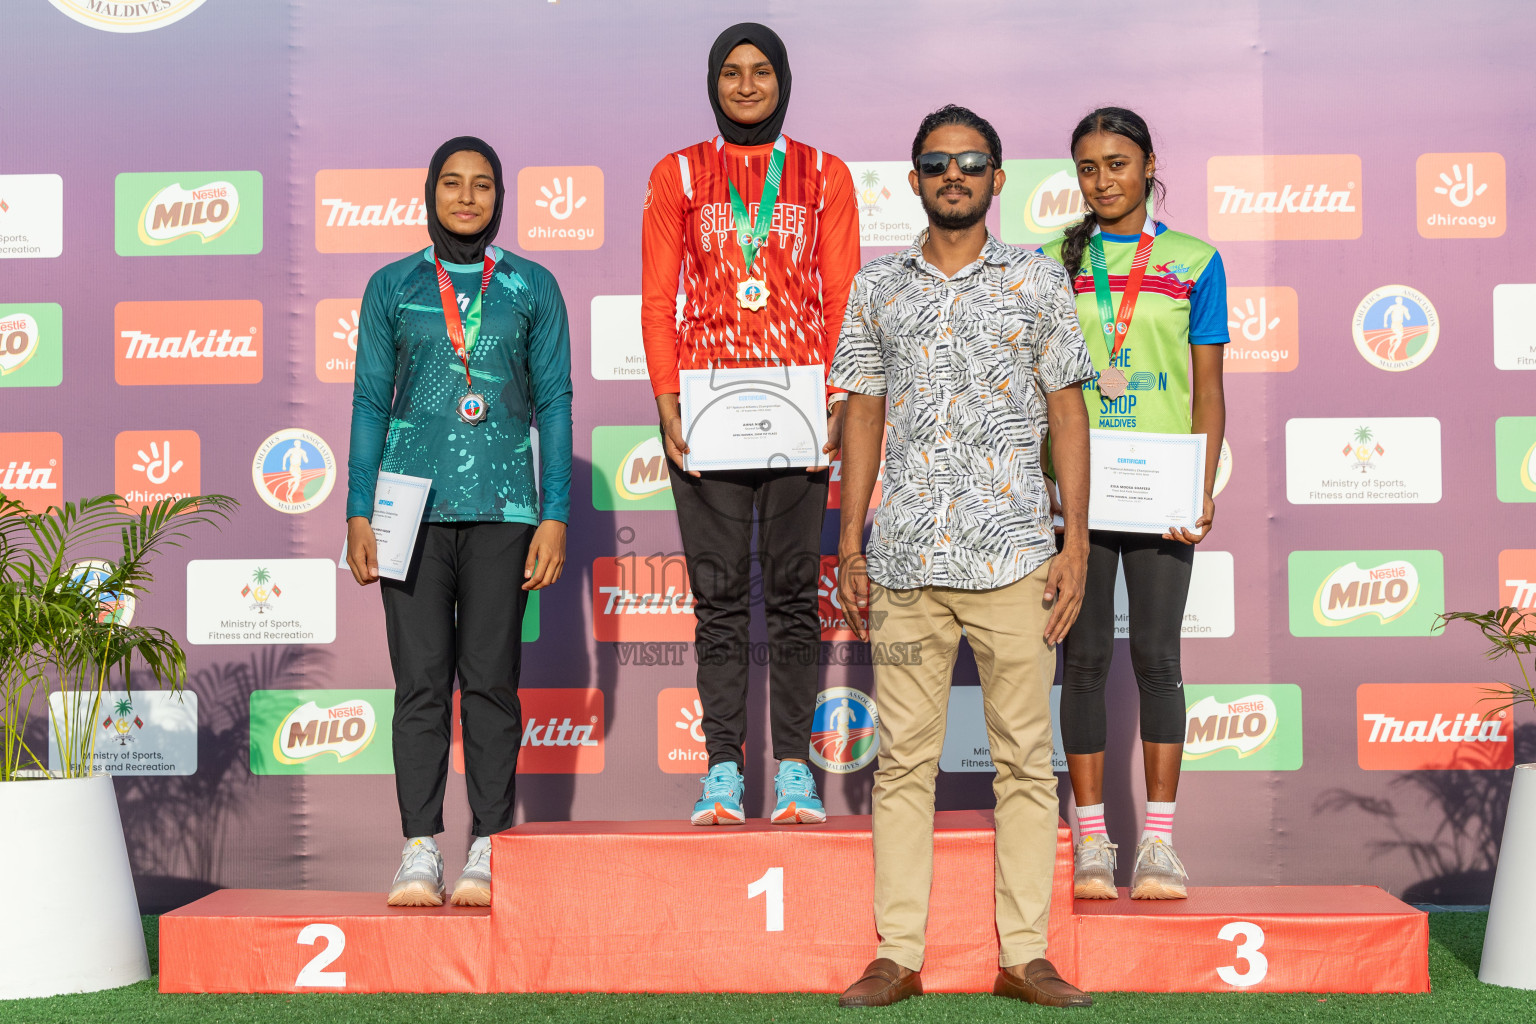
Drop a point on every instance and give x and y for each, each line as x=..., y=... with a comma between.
x=752, y=293
x=1112, y=383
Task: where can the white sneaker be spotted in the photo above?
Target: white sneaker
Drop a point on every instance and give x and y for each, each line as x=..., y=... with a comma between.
x=1093, y=871
x=1159, y=873
x=419, y=882
x=473, y=888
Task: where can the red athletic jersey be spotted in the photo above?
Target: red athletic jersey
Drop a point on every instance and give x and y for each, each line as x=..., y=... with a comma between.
x=809, y=262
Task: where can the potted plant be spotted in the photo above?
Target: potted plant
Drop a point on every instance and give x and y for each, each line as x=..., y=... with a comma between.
x=1511, y=634
x=66, y=639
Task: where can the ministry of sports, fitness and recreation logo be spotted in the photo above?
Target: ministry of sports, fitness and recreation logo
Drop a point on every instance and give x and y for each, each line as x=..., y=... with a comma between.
x=294, y=470
x=125, y=16
x=1396, y=327
x=845, y=730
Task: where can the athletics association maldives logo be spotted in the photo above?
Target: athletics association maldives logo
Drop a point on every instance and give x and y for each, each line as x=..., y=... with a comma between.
x=845, y=730
x=90, y=576
x=1396, y=327
x=140, y=16
x=294, y=470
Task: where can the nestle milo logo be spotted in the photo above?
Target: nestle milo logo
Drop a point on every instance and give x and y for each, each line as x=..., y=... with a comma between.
x=209, y=213
x=1365, y=593
x=321, y=732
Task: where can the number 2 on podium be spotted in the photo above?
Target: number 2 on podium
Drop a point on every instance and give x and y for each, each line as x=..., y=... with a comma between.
x=314, y=973
x=771, y=885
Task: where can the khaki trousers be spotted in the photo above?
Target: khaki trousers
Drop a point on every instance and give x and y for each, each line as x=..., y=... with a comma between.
x=1005, y=627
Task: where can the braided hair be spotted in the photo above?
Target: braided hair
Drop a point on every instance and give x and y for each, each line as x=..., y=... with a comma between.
x=1115, y=121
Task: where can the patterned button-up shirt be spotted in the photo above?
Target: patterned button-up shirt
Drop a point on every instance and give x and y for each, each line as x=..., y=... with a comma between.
x=964, y=363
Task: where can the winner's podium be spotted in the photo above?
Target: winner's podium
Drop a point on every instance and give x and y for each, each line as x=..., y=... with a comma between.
x=668, y=907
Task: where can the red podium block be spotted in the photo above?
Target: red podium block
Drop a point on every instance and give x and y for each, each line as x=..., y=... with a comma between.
x=669, y=907
x=1288, y=938
x=258, y=940
x=651, y=906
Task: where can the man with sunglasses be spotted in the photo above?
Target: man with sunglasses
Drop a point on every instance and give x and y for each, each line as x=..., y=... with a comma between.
x=972, y=349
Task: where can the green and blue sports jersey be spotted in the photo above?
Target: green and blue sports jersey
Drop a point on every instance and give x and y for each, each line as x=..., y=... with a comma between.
x=409, y=381
x=1183, y=302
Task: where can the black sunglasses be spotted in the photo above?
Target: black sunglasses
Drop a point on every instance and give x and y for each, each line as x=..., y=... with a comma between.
x=931, y=165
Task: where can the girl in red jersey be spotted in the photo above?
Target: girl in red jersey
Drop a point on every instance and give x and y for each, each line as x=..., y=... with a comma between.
x=745, y=217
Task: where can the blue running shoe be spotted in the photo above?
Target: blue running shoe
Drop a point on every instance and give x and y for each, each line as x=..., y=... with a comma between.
x=797, y=802
x=721, y=802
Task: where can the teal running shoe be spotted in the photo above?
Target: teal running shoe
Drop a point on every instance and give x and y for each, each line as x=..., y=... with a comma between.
x=721, y=802
x=797, y=802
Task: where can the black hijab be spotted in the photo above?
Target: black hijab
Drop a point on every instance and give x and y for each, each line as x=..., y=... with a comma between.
x=451, y=247
x=765, y=39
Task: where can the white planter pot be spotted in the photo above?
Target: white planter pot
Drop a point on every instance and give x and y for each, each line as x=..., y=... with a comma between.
x=1507, y=958
x=69, y=899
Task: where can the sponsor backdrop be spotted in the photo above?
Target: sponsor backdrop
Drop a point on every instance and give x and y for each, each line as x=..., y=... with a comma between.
x=178, y=314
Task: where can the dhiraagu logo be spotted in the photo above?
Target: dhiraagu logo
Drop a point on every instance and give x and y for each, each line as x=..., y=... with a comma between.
x=208, y=213
x=629, y=470
x=1041, y=201
x=1365, y=593
x=1515, y=449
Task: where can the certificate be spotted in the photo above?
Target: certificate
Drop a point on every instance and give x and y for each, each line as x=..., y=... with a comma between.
x=755, y=417
x=1144, y=483
x=399, y=502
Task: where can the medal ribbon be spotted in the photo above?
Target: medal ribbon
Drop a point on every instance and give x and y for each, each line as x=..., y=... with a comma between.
x=462, y=340
x=1118, y=326
x=749, y=236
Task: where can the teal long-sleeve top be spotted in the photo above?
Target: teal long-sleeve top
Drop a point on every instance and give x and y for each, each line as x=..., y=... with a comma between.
x=409, y=381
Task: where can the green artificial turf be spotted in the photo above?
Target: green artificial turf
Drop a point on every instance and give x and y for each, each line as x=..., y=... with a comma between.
x=1455, y=944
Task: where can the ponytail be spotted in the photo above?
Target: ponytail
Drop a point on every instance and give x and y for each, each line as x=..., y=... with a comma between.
x=1074, y=243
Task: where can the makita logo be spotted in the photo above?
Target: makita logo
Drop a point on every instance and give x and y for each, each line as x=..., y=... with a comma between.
x=642, y=598
x=562, y=732
x=1464, y=728
x=1256, y=198
x=394, y=213
x=1243, y=725
x=216, y=344
x=1438, y=726
x=629, y=602
x=173, y=212
x=24, y=476
x=1524, y=596
x=1308, y=199
x=1350, y=592
x=558, y=733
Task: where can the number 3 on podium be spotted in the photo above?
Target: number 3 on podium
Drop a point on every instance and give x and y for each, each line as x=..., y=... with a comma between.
x=771, y=885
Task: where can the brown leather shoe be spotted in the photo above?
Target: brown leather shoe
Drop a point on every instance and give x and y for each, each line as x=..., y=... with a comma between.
x=884, y=982
x=1037, y=982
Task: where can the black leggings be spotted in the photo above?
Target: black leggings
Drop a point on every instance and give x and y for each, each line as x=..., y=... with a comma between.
x=1157, y=582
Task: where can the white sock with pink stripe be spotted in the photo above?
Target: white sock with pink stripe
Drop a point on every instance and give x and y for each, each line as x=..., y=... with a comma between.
x=1159, y=821
x=1090, y=822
